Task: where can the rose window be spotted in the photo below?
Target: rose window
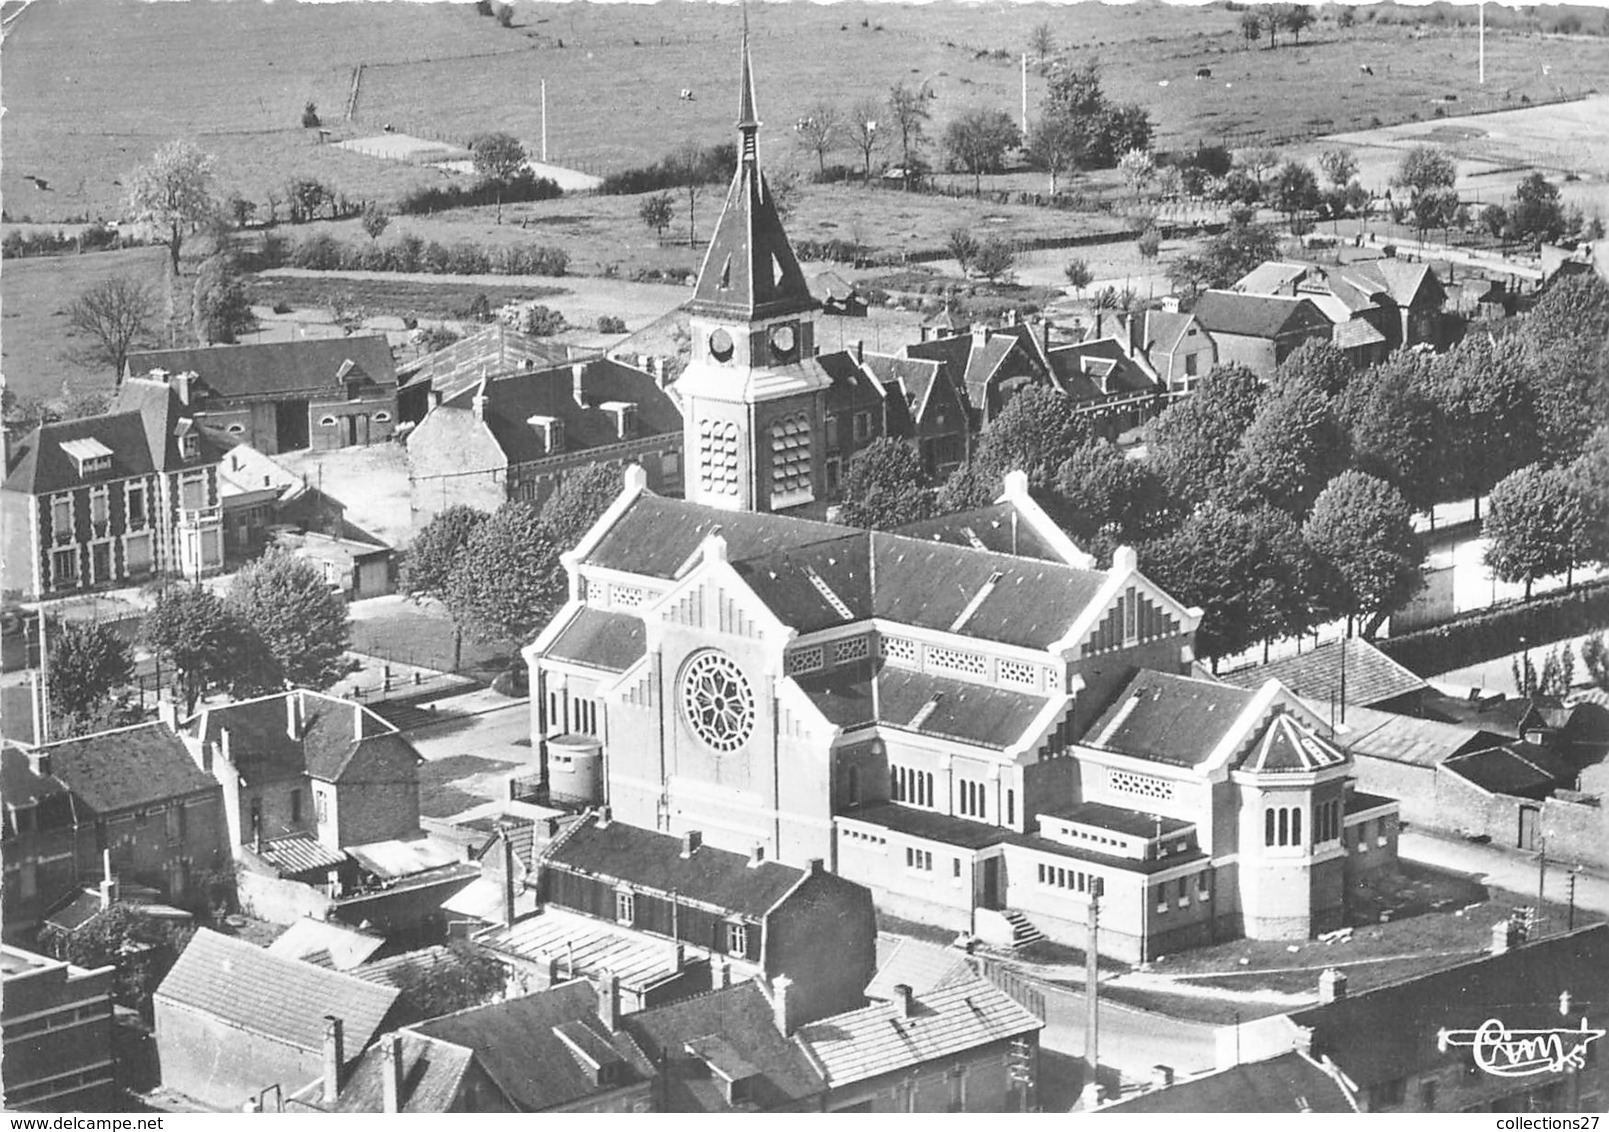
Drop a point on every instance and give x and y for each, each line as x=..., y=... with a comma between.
x=717, y=701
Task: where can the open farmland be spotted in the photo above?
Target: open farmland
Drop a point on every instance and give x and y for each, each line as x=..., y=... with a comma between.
x=92, y=89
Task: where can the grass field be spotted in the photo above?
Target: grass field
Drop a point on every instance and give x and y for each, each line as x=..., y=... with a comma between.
x=92, y=89
x=403, y=297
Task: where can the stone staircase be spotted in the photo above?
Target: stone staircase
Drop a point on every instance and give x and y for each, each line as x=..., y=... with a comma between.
x=1023, y=931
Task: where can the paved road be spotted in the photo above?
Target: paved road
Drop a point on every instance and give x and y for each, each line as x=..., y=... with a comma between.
x=1508, y=869
x=503, y=732
x=1132, y=1041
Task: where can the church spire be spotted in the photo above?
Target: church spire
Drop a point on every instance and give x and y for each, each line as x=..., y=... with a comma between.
x=748, y=119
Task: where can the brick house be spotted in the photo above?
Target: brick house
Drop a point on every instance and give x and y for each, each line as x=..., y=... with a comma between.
x=57, y=1022
x=1376, y=305
x=989, y=364
x=319, y=393
x=40, y=837
x=310, y=766
x=514, y=436
x=1109, y=383
x=926, y=407
x=113, y=499
x=234, y=1020
x=1259, y=331
x=1174, y=345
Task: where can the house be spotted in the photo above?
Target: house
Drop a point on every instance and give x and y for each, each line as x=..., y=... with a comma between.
x=1259, y=331
x=925, y=406
x=358, y=568
x=233, y=1022
x=319, y=393
x=1397, y=755
x=496, y=350
x=514, y=436
x=1174, y=346
x=967, y=1047
x=984, y=739
x=989, y=364
x=140, y=798
x=325, y=771
x=749, y=914
x=56, y=1019
x=1523, y=796
x=114, y=499
x=1376, y=306
x=562, y=1050
x=727, y=1051
x=1411, y=1046
x=1108, y=383
x=1293, y=1082
x=39, y=849
x=1350, y=671
x=838, y=296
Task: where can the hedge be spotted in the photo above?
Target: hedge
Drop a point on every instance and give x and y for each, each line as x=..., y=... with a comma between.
x=1496, y=632
x=321, y=251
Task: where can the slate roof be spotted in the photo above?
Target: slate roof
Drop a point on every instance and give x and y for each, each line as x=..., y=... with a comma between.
x=512, y=399
x=1168, y=719
x=914, y=378
x=943, y=1023
x=1255, y=316
x=1098, y=370
x=128, y=768
x=1400, y=280
x=284, y=999
x=274, y=369
x=1355, y=332
x=516, y=1043
x=731, y=1030
x=341, y=741
x=1291, y=1082
x=971, y=713
x=976, y=357
x=1372, y=677
x=21, y=787
x=1522, y=769
x=656, y=536
x=1366, y=733
x=998, y=528
x=653, y=861
x=1389, y=1032
x=433, y=1071
x=1160, y=330
x=1290, y=747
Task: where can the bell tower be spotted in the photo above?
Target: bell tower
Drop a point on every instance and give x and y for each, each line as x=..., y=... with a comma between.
x=753, y=395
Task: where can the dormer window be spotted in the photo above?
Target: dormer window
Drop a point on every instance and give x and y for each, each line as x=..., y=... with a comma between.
x=551, y=431
x=89, y=456
x=625, y=417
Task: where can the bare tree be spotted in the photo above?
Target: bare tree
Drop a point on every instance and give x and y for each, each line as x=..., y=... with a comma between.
x=116, y=313
x=818, y=131
x=1042, y=41
x=908, y=107
x=864, y=118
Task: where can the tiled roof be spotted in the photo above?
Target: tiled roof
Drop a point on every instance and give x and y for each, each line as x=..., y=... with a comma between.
x=1255, y=316
x=342, y=740
x=587, y=946
x=385, y=971
x=1391, y=1032
x=1522, y=769
x=283, y=999
x=300, y=853
x=433, y=1071
x=1291, y=1082
x=1097, y=370
x=513, y=399
x=269, y=369
x=1372, y=677
x=1355, y=332
x=1288, y=746
x=944, y=1023
x=654, y=861
x=1169, y=719
x=730, y=1032
x=998, y=528
x=1366, y=733
x=517, y=1044
x=128, y=768
x=923, y=967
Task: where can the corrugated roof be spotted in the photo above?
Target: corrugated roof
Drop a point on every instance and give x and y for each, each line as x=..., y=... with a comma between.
x=283, y=999
x=1372, y=677
x=270, y=369
x=1291, y=1082
x=944, y=1023
x=300, y=853
x=128, y=768
x=1169, y=719
x=587, y=946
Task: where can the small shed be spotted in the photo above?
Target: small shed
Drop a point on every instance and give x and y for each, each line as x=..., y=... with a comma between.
x=358, y=569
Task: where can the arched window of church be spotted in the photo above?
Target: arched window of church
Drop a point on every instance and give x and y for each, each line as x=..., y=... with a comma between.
x=1296, y=825
x=1268, y=827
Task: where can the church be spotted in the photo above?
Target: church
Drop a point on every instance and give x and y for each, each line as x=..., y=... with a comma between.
x=966, y=716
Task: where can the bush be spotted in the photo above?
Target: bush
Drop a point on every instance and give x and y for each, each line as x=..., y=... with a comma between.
x=436, y=338
x=524, y=186
x=310, y=117
x=480, y=308
x=712, y=163
x=317, y=252
x=1493, y=633
x=282, y=307
x=609, y=324
x=542, y=321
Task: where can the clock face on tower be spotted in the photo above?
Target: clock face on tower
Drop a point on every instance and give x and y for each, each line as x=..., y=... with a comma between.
x=717, y=702
x=721, y=345
x=784, y=341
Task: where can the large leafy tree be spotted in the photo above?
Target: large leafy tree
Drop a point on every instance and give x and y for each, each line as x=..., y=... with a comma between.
x=1537, y=526
x=302, y=622
x=1485, y=390
x=89, y=666
x=116, y=314
x=1055, y=144
x=1316, y=363
x=220, y=309
x=1396, y=427
x=498, y=156
x=1074, y=94
x=508, y=582
x=1235, y=251
x=1428, y=173
x=1293, y=447
x=977, y=141
x=1567, y=333
x=582, y=496
x=141, y=948
x=882, y=486
x=1105, y=499
x=1193, y=441
x=436, y=548
x=1036, y=431
x=1251, y=573
x=1537, y=215
x=1295, y=190
x=1590, y=472
x=174, y=192
x=205, y=648
x=457, y=979
x=1363, y=528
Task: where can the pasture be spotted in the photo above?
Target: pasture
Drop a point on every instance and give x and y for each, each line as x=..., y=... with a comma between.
x=92, y=90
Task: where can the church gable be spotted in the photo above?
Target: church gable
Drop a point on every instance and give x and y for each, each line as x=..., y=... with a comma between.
x=715, y=600
x=1136, y=616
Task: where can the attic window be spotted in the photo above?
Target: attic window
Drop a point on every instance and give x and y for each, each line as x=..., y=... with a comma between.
x=551, y=430
x=89, y=455
x=726, y=274
x=237, y=428
x=381, y=417
x=189, y=445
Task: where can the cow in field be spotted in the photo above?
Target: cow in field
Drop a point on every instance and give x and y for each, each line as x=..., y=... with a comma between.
x=1203, y=72
x=1365, y=69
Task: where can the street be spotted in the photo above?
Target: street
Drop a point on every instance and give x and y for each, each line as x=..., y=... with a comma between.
x=1508, y=869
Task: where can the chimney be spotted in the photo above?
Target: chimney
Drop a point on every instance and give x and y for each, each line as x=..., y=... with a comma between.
x=860, y=349
x=1331, y=985
x=1161, y=1076
x=923, y=330
x=180, y=383
x=1100, y=320
x=756, y=856
x=1044, y=335
x=691, y=840
x=902, y=1000
x=293, y=714
x=603, y=817
x=720, y=973
x=609, y=1001
x=167, y=712
x=41, y=763
x=815, y=866
x=578, y=383
x=224, y=744
x=108, y=885
x=1506, y=935
x=334, y=1057
x=779, y=1004
x=508, y=879
x=391, y=1080
x=678, y=954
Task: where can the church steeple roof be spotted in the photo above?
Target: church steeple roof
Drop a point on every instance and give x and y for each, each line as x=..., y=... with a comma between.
x=749, y=271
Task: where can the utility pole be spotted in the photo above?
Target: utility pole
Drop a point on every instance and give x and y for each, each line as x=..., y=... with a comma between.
x=544, y=121
x=1092, y=1025
x=42, y=716
x=1541, y=881
x=1024, y=96
x=1570, y=922
x=1483, y=43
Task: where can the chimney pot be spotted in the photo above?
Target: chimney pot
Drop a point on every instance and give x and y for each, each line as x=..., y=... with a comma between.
x=392, y=1083
x=779, y=1004
x=293, y=714
x=334, y=1057
x=815, y=866
x=604, y=816
x=860, y=348
x=1331, y=985
x=902, y=999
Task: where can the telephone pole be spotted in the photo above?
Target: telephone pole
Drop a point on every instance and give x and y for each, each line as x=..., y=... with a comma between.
x=1092, y=1022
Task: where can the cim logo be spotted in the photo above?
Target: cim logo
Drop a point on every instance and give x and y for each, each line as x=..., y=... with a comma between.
x=1522, y=1053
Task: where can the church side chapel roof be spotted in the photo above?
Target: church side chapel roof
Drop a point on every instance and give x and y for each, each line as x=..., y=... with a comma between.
x=1288, y=746
x=999, y=528
x=600, y=639
x=1169, y=719
x=930, y=705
